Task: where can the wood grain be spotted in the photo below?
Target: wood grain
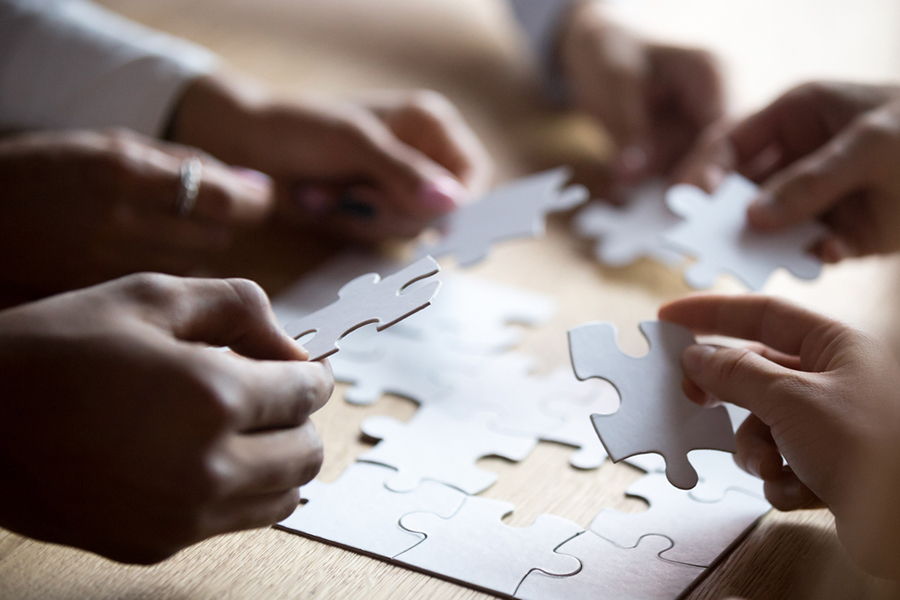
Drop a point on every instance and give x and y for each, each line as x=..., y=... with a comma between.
x=467, y=49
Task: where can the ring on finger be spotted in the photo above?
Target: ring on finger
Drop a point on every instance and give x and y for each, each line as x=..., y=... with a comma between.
x=189, y=186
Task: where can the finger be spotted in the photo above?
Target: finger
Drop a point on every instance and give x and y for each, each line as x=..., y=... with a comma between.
x=738, y=376
x=221, y=312
x=757, y=452
x=279, y=393
x=251, y=512
x=430, y=123
x=778, y=324
x=789, y=493
x=227, y=194
x=169, y=231
x=274, y=461
x=412, y=182
x=709, y=161
x=789, y=361
x=815, y=183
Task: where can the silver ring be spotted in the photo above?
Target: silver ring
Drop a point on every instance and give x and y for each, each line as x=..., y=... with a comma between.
x=191, y=174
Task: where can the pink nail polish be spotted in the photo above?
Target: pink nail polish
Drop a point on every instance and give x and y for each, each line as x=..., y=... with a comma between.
x=313, y=199
x=255, y=178
x=443, y=194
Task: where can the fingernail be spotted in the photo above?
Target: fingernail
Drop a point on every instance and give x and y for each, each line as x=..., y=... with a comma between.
x=695, y=357
x=765, y=212
x=443, y=194
x=631, y=163
x=254, y=178
x=310, y=198
x=754, y=464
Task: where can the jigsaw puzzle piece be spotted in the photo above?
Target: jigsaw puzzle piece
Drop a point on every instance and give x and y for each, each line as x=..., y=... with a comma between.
x=476, y=316
x=654, y=414
x=717, y=471
x=334, y=513
x=442, y=447
x=366, y=299
x=475, y=547
x=700, y=531
x=515, y=210
x=715, y=232
x=574, y=402
x=609, y=571
x=632, y=231
x=396, y=364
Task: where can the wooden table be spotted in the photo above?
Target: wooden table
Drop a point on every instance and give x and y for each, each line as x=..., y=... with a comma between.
x=468, y=49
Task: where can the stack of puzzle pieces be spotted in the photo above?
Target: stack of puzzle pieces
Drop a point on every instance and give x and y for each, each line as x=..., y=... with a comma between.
x=413, y=498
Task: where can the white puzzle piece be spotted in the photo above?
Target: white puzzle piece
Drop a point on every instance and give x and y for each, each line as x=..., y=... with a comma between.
x=611, y=572
x=471, y=315
x=717, y=471
x=717, y=235
x=442, y=447
x=474, y=546
x=629, y=232
x=366, y=299
x=358, y=511
x=397, y=364
x=654, y=414
x=574, y=402
x=700, y=531
x=515, y=210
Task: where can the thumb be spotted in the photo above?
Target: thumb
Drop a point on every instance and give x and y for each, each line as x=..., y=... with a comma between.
x=815, y=183
x=220, y=312
x=736, y=375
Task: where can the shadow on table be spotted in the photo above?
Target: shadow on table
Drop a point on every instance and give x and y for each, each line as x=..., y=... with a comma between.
x=792, y=561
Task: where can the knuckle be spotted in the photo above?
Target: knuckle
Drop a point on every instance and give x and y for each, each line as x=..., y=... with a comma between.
x=733, y=365
x=429, y=103
x=252, y=299
x=150, y=288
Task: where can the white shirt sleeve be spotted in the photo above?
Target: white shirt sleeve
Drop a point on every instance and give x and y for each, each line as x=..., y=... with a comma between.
x=72, y=64
x=540, y=20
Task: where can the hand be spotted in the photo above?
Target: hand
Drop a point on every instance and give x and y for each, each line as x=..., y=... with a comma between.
x=822, y=150
x=654, y=99
x=370, y=171
x=82, y=207
x=822, y=395
x=123, y=434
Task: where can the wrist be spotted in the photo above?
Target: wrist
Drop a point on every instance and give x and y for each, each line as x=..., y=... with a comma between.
x=215, y=114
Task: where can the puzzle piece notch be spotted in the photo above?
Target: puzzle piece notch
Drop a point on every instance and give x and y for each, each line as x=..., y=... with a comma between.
x=609, y=571
x=515, y=210
x=700, y=531
x=718, y=474
x=716, y=234
x=475, y=547
x=573, y=401
x=333, y=511
x=439, y=446
x=366, y=299
x=629, y=232
x=654, y=414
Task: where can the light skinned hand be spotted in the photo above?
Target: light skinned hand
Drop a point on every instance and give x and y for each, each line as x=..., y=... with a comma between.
x=373, y=170
x=81, y=207
x=823, y=397
x=822, y=150
x=121, y=433
x=654, y=99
